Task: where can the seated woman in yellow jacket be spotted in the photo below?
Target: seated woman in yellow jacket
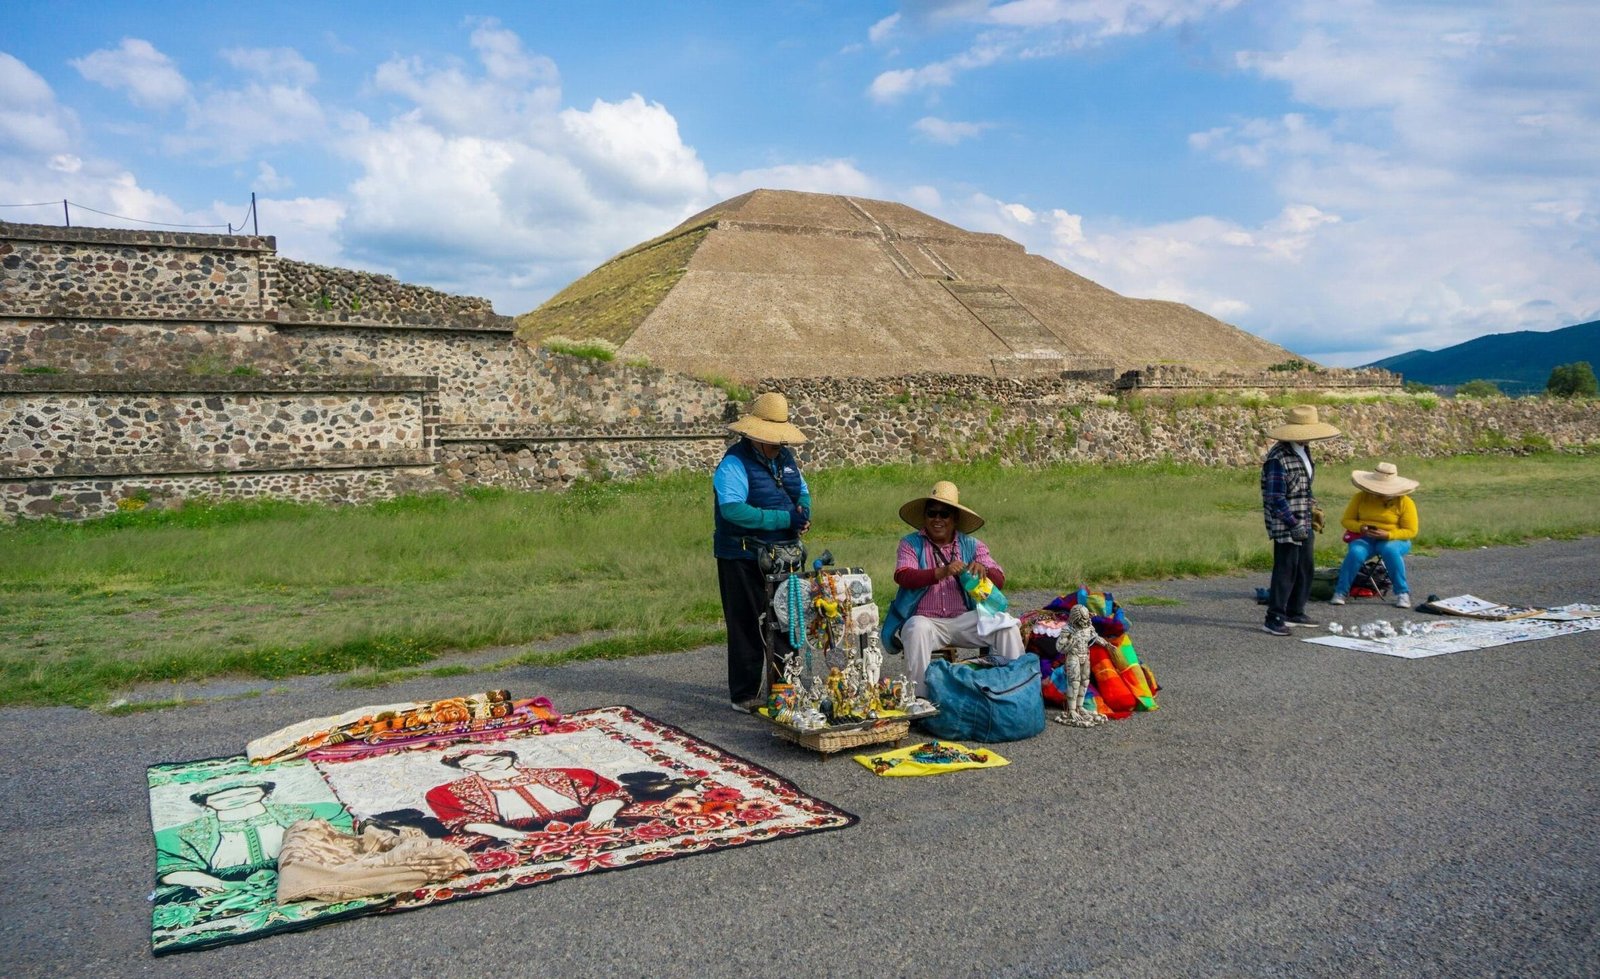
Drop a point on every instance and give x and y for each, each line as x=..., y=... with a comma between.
x=1382, y=520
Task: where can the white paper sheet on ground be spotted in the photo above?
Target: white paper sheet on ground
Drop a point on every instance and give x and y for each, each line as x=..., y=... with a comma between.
x=1457, y=636
x=1474, y=607
x=1570, y=613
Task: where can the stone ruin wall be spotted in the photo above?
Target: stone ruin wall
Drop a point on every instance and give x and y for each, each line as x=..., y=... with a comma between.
x=148, y=366
x=80, y=445
x=140, y=368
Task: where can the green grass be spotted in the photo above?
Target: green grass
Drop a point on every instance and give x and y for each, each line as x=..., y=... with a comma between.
x=275, y=590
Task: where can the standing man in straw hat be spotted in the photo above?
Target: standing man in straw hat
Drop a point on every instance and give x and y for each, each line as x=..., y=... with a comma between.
x=931, y=608
x=1290, y=509
x=761, y=498
x=1382, y=520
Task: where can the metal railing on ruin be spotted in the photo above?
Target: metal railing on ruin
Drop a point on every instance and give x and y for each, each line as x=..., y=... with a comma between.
x=250, y=217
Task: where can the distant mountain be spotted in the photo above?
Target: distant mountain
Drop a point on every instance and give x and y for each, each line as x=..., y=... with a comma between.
x=1518, y=362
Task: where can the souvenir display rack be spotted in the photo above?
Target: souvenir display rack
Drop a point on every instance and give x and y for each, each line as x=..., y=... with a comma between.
x=834, y=694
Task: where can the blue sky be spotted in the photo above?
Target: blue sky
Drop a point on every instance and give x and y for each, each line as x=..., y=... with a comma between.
x=1346, y=178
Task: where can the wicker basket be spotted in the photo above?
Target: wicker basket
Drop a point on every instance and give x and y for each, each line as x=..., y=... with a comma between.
x=828, y=740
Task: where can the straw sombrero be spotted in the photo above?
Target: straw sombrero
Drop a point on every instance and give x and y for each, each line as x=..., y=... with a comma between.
x=768, y=421
x=944, y=492
x=1383, y=481
x=1300, y=424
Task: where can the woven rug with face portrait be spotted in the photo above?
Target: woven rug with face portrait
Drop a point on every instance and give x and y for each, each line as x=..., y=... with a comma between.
x=602, y=789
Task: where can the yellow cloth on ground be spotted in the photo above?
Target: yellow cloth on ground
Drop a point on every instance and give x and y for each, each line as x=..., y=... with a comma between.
x=931, y=758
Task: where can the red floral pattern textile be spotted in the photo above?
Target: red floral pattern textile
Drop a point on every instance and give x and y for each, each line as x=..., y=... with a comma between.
x=678, y=796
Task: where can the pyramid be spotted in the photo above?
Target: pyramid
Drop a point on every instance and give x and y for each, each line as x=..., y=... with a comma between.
x=777, y=283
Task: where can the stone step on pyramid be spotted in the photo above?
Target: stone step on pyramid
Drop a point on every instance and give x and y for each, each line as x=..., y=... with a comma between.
x=1006, y=318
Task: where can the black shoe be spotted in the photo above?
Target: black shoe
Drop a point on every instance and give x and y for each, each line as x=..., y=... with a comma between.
x=1301, y=620
x=1276, y=628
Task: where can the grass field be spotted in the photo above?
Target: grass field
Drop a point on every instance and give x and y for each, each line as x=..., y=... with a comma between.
x=274, y=589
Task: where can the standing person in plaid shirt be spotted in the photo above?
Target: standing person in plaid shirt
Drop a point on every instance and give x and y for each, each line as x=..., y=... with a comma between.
x=1292, y=516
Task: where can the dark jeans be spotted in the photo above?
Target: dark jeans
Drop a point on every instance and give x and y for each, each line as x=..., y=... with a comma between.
x=1292, y=567
x=744, y=596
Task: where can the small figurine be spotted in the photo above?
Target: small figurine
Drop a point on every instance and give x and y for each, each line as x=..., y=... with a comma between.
x=871, y=660
x=1080, y=635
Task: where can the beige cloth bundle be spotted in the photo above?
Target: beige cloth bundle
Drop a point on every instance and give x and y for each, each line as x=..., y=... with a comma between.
x=321, y=862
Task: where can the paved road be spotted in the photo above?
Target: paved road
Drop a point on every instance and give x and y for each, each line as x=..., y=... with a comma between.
x=1291, y=810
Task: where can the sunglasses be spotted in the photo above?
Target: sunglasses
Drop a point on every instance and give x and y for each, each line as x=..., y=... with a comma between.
x=933, y=514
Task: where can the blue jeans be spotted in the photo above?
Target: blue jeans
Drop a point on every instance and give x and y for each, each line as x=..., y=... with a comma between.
x=1393, y=553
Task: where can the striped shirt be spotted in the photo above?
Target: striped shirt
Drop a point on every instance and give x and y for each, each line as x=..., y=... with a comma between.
x=944, y=599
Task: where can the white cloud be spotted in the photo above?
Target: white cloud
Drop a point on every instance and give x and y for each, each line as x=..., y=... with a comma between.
x=826, y=177
x=233, y=123
x=136, y=68
x=484, y=174
x=883, y=29
x=280, y=65
x=31, y=121
x=268, y=178
x=1434, y=182
x=1104, y=17
x=633, y=148
x=517, y=92
x=1023, y=30
x=948, y=131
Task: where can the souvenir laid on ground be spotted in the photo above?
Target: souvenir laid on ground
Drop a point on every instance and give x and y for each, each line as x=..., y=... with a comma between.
x=931, y=758
x=1473, y=607
x=1418, y=640
x=397, y=725
x=1091, y=670
x=602, y=789
x=834, y=693
x=218, y=825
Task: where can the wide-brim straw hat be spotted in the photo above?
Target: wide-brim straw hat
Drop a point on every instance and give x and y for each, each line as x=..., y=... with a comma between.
x=944, y=492
x=768, y=421
x=1301, y=424
x=1383, y=481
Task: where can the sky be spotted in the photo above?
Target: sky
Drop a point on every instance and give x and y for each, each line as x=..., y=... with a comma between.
x=1349, y=179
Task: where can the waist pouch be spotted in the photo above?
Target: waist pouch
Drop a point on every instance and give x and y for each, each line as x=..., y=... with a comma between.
x=1001, y=703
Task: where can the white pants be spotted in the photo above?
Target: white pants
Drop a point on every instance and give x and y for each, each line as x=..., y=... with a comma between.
x=921, y=636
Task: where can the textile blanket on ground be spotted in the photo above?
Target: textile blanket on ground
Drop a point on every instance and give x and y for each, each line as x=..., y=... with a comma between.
x=1459, y=635
x=1120, y=684
x=216, y=876
x=406, y=723
x=602, y=789
x=931, y=758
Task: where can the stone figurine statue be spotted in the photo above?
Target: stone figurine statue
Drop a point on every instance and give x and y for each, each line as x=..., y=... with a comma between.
x=1079, y=636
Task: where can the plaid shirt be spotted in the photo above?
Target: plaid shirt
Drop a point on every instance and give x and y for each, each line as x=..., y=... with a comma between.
x=1285, y=492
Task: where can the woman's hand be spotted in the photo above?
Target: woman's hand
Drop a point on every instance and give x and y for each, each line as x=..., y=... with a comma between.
x=1377, y=533
x=952, y=569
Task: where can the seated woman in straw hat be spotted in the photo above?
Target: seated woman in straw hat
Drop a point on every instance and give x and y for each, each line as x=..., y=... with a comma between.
x=1382, y=520
x=1291, y=513
x=931, y=608
x=761, y=498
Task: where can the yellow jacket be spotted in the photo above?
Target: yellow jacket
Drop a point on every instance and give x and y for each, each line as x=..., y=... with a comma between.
x=1368, y=510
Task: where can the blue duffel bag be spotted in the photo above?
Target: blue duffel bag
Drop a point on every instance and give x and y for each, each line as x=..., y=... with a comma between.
x=1000, y=703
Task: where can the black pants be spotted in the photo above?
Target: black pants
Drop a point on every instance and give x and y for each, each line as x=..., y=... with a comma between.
x=1292, y=567
x=744, y=595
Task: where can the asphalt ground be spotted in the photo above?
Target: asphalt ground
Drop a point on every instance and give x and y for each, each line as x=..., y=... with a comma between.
x=1292, y=809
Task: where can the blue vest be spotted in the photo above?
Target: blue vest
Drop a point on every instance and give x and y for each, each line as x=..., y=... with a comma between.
x=774, y=485
x=906, y=599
